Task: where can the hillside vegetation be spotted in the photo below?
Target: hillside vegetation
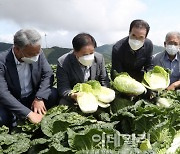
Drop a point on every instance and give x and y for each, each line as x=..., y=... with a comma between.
x=54, y=53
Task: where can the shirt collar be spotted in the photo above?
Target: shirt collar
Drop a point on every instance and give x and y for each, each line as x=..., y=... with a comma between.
x=16, y=61
x=167, y=57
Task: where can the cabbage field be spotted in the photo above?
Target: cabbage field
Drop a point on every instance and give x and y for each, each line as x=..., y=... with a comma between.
x=130, y=124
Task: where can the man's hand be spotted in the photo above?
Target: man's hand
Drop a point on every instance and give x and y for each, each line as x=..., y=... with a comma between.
x=174, y=85
x=75, y=95
x=35, y=117
x=38, y=106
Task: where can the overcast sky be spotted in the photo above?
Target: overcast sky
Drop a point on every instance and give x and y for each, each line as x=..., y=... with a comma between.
x=107, y=20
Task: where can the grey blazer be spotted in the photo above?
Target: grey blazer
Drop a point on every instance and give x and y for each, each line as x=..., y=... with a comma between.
x=10, y=90
x=70, y=73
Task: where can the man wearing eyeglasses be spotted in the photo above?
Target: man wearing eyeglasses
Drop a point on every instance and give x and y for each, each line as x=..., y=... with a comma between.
x=170, y=58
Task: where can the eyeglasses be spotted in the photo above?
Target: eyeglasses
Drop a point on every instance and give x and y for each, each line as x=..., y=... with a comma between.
x=173, y=43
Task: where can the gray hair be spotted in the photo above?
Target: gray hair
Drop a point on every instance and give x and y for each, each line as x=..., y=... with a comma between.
x=27, y=37
x=172, y=34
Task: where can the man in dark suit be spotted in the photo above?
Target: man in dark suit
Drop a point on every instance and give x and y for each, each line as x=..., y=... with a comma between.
x=133, y=54
x=78, y=66
x=25, y=80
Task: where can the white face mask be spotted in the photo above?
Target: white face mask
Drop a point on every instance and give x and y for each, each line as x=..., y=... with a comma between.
x=30, y=60
x=172, y=49
x=86, y=60
x=135, y=44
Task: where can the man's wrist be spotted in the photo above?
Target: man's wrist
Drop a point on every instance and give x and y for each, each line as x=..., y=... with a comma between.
x=39, y=98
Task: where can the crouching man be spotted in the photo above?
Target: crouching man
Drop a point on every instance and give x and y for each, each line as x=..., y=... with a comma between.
x=25, y=80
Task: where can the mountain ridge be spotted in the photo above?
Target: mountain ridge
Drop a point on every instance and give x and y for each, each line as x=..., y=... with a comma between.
x=55, y=52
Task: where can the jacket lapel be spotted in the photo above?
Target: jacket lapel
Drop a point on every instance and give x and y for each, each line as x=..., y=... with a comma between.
x=12, y=70
x=32, y=74
x=76, y=67
x=162, y=60
x=35, y=74
x=178, y=57
x=93, y=71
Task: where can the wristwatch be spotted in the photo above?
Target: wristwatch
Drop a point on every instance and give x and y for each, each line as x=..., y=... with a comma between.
x=39, y=98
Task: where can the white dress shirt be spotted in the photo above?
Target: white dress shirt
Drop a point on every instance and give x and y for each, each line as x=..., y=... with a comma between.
x=24, y=74
x=86, y=72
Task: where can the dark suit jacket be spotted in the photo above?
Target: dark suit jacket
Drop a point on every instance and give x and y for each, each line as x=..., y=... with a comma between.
x=124, y=59
x=70, y=73
x=10, y=90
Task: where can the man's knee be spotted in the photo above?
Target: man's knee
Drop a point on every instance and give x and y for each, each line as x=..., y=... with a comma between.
x=53, y=99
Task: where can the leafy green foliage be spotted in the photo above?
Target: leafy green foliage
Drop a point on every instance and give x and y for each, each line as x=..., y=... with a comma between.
x=16, y=143
x=122, y=128
x=145, y=145
x=82, y=87
x=4, y=130
x=94, y=84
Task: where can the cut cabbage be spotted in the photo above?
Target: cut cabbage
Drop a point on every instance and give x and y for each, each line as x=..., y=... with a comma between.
x=156, y=79
x=106, y=95
x=103, y=94
x=87, y=102
x=103, y=105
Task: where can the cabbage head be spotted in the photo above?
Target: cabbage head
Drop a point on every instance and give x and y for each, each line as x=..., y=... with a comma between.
x=156, y=79
x=106, y=95
x=126, y=84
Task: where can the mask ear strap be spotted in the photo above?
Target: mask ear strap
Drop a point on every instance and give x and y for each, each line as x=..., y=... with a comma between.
x=22, y=53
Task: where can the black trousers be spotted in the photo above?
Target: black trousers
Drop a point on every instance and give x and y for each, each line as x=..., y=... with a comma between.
x=53, y=99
